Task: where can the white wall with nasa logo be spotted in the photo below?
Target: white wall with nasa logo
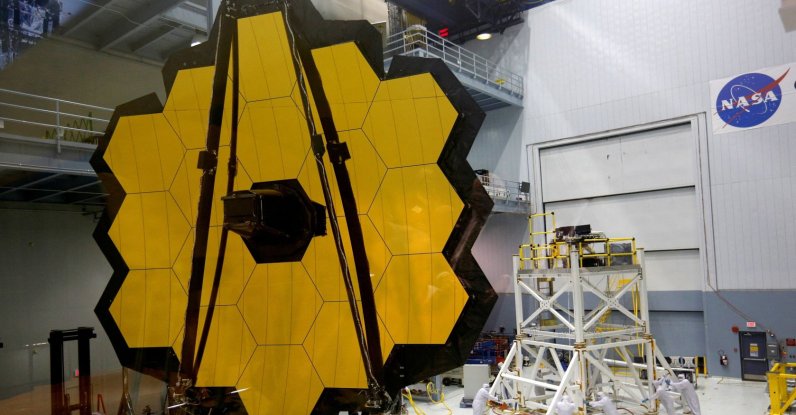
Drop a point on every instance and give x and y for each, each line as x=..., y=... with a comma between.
x=603, y=76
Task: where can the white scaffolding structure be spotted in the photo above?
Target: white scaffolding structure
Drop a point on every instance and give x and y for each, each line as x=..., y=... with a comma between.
x=536, y=373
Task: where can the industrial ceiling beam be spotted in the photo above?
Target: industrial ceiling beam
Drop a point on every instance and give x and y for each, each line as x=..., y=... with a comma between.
x=88, y=17
x=189, y=15
x=73, y=189
x=152, y=37
x=141, y=18
x=31, y=184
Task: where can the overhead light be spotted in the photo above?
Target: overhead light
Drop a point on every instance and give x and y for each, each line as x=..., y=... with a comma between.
x=197, y=39
x=484, y=36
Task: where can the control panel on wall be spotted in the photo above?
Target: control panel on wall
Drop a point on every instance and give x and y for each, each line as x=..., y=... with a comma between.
x=790, y=350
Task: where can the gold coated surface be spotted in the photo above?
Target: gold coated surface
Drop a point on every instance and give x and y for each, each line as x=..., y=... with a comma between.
x=284, y=332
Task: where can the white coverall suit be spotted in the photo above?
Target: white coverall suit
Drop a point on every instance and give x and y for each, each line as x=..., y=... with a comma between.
x=604, y=401
x=480, y=400
x=565, y=406
x=686, y=389
x=666, y=398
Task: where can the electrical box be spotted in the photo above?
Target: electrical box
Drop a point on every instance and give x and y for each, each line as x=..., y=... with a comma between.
x=772, y=351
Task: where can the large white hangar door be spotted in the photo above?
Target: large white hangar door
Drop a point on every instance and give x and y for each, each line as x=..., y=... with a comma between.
x=640, y=184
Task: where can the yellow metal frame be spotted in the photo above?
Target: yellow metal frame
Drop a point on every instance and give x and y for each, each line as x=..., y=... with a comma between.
x=586, y=249
x=781, y=398
x=556, y=254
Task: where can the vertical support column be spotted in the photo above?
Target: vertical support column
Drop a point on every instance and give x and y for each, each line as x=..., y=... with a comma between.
x=649, y=353
x=56, y=341
x=518, y=315
x=518, y=309
x=580, y=343
x=577, y=296
x=84, y=334
x=59, y=132
x=643, y=303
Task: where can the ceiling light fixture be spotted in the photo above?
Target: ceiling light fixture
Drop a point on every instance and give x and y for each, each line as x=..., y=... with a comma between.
x=198, y=38
x=484, y=36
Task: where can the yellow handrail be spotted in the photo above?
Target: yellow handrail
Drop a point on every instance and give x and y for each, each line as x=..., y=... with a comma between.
x=555, y=254
x=778, y=394
x=601, y=248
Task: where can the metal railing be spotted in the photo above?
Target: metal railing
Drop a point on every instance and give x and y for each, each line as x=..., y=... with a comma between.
x=504, y=189
x=38, y=116
x=418, y=41
x=545, y=250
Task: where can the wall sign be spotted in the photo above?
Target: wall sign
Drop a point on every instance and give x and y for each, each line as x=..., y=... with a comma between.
x=755, y=99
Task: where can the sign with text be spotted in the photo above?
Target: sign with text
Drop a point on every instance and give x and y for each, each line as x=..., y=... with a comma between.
x=754, y=99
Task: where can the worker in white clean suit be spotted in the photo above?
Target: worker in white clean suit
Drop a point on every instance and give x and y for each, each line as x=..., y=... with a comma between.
x=481, y=398
x=565, y=406
x=688, y=393
x=604, y=401
x=662, y=393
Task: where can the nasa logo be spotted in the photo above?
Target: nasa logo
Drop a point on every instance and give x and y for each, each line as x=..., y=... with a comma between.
x=749, y=99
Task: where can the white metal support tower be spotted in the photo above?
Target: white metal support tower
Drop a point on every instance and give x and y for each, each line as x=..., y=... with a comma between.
x=563, y=349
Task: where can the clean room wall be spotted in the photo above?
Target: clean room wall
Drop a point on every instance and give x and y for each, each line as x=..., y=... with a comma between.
x=51, y=276
x=601, y=65
x=62, y=70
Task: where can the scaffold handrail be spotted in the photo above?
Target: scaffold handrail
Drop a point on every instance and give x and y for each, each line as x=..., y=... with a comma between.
x=40, y=116
x=554, y=253
x=504, y=189
x=418, y=41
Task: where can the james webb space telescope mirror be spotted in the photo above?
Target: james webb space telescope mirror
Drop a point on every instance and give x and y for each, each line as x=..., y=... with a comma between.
x=291, y=232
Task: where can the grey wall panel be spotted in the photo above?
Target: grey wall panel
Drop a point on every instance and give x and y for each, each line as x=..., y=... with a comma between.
x=679, y=333
x=57, y=69
x=630, y=63
x=495, y=147
x=754, y=197
x=496, y=245
x=658, y=220
x=773, y=310
x=52, y=274
x=679, y=270
x=649, y=160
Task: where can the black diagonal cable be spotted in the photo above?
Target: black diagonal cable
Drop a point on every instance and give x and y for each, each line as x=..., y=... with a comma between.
x=371, y=346
x=208, y=162
x=232, y=166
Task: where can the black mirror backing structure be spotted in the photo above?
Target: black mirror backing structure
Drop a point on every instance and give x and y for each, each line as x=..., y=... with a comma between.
x=293, y=222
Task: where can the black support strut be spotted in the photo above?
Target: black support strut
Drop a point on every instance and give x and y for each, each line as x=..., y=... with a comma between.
x=338, y=154
x=208, y=162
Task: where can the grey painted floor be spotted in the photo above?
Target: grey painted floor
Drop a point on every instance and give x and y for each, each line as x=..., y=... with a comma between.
x=718, y=396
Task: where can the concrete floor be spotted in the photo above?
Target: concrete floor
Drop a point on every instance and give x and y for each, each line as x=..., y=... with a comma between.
x=718, y=396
